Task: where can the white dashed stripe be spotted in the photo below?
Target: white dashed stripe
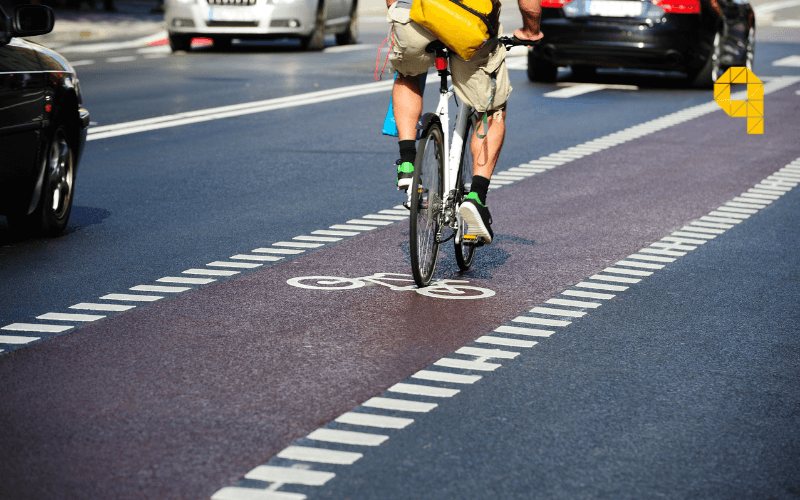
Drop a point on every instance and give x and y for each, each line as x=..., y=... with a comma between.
x=423, y=390
x=540, y=321
x=16, y=340
x=188, y=281
x=487, y=339
x=89, y=306
x=131, y=298
x=557, y=312
x=463, y=364
x=518, y=330
x=240, y=265
x=399, y=405
x=237, y=493
x=284, y=251
x=319, y=455
x=369, y=420
x=157, y=288
x=70, y=317
x=259, y=258
x=290, y=476
x=210, y=272
x=297, y=244
x=573, y=303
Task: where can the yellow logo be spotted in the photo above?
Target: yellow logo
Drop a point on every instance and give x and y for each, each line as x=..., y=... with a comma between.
x=752, y=108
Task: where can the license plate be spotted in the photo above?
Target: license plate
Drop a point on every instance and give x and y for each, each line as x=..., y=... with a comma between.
x=231, y=14
x=611, y=8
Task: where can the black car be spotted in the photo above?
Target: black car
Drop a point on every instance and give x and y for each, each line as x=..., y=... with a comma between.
x=42, y=125
x=701, y=38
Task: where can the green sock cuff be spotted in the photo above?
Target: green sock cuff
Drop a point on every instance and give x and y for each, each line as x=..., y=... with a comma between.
x=474, y=197
x=405, y=168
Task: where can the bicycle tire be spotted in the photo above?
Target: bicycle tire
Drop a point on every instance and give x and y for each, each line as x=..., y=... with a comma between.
x=426, y=205
x=465, y=253
x=437, y=293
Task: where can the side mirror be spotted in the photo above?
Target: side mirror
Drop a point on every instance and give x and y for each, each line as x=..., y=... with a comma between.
x=32, y=20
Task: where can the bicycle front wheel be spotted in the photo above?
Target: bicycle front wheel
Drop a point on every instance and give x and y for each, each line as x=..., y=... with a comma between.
x=426, y=205
x=465, y=252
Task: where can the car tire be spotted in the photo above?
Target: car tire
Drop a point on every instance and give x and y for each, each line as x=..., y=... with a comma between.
x=583, y=72
x=712, y=69
x=350, y=36
x=180, y=42
x=316, y=40
x=540, y=70
x=51, y=215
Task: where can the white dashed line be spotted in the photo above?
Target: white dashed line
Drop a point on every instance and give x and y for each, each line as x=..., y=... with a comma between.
x=70, y=317
x=446, y=377
x=369, y=420
x=261, y=258
x=290, y=476
x=157, y=288
x=131, y=298
x=33, y=327
x=319, y=455
x=519, y=330
x=285, y=251
x=210, y=272
x=16, y=340
x=399, y=405
x=241, y=265
x=88, y=306
x=423, y=390
x=347, y=437
x=188, y=281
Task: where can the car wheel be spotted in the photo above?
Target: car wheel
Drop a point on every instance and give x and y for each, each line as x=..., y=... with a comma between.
x=350, y=35
x=712, y=70
x=50, y=217
x=583, y=72
x=540, y=70
x=180, y=42
x=316, y=40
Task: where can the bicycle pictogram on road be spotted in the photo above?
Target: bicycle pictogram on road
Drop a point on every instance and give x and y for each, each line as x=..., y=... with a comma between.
x=440, y=289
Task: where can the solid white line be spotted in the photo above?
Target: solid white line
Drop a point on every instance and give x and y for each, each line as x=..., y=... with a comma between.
x=88, y=306
x=15, y=339
x=319, y=455
x=70, y=317
x=156, y=288
x=353, y=227
x=261, y=258
x=423, y=390
x=285, y=251
x=632, y=272
x=602, y=286
x=574, y=303
x=240, y=265
x=325, y=239
x=557, y=312
x=588, y=295
x=238, y=493
x=487, y=339
x=481, y=366
x=188, y=281
x=33, y=327
x=575, y=90
x=518, y=330
x=273, y=474
x=347, y=437
x=131, y=298
x=210, y=272
x=369, y=420
x=540, y=321
x=644, y=265
x=454, y=378
x=399, y=404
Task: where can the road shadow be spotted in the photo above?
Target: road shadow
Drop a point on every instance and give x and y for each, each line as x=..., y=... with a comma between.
x=644, y=79
x=79, y=219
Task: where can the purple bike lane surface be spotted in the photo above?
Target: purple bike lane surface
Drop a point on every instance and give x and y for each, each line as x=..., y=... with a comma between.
x=181, y=398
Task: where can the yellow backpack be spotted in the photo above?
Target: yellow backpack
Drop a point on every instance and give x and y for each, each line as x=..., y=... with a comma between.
x=464, y=26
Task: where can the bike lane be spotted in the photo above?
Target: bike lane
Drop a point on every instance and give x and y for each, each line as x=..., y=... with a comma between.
x=183, y=397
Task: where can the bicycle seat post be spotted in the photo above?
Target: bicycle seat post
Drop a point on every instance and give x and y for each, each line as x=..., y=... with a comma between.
x=440, y=50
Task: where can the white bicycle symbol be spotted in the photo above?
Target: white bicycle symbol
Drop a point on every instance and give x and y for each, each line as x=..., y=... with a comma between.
x=440, y=289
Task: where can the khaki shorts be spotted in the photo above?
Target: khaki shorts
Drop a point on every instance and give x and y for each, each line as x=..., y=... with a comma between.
x=472, y=79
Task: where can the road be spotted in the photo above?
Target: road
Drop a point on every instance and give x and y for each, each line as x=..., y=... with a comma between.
x=233, y=383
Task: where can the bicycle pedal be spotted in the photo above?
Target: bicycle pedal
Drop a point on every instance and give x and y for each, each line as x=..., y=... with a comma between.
x=470, y=237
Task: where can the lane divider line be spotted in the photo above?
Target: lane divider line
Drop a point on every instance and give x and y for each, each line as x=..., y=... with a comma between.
x=457, y=369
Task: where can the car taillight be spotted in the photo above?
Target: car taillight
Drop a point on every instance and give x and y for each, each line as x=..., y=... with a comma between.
x=556, y=4
x=678, y=6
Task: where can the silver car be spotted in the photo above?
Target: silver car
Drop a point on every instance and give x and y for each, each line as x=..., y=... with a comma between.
x=223, y=20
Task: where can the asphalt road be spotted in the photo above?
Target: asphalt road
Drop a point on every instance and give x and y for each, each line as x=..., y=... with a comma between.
x=182, y=397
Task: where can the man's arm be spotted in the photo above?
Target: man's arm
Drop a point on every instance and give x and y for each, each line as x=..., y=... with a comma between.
x=531, y=11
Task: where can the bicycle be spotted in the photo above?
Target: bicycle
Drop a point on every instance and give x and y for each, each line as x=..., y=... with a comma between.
x=441, y=181
x=441, y=289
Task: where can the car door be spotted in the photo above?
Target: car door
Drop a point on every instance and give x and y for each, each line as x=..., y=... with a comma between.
x=22, y=103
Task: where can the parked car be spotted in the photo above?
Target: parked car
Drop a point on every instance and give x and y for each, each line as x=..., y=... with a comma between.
x=42, y=125
x=701, y=38
x=223, y=20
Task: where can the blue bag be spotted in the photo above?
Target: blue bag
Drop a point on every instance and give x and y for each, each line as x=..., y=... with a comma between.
x=389, y=125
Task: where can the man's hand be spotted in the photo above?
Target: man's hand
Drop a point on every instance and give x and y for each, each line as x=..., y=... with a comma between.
x=531, y=11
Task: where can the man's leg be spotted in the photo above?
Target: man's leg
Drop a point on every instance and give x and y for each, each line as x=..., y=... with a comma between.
x=407, y=104
x=486, y=151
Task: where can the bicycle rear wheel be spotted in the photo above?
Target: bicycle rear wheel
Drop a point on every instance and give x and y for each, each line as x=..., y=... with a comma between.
x=426, y=205
x=465, y=252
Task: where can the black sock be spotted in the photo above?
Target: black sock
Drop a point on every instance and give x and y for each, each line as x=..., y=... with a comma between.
x=408, y=151
x=480, y=185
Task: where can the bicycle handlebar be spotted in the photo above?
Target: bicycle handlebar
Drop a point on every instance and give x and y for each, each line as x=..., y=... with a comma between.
x=512, y=41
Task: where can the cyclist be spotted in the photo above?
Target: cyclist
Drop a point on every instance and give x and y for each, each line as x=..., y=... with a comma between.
x=473, y=84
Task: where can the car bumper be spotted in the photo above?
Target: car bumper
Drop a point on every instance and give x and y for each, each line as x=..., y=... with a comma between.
x=262, y=20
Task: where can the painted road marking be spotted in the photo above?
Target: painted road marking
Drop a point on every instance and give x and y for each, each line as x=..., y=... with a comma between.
x=602, y=286
x=325, y=239
x=585, y=88
x=188, y=281
x=519, y=330
x=446, y=377
x=70, y=317
x=210, y=272
x=487, y=339
x=292, y=476
x=370, y=222
x=652, y=258
x=261, y=258
x=693, y=235
x=353, y=227
x=617, y=279
x=673, y=245
x=573, y=303
x=297, y=244
x=319, y=455
x=157, y=288
x=680, y=241
x=16, y=339
x=557, y=312
x=540, y=321
x=702, y=230
x=399, y=405
x=34, y=327
x=481, y=366
x=731, y=215
x=240, y=265
x=121, y=59
x=347, y=437
x=89, y=306
x=423, y=390
x=370, y=420
x=131, y=298
x=237, y=493
x=588, y=295
x=715, y=225
x=326, y=232
x=644, y=265
x=658, y=251
x=487, y=353
x=286, y=251
x=723, y=220
x=632, y=272
x=386, y=217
